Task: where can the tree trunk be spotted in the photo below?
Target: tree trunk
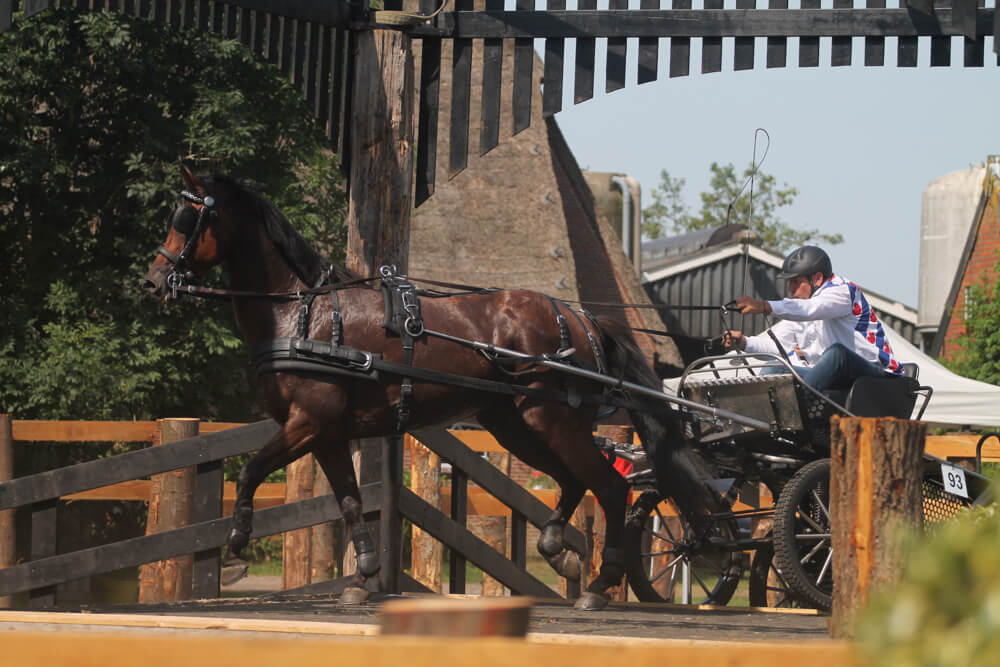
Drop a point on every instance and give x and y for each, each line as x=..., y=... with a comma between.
x=296, y=549
x=170, y=502
x=381, y=199
x=875, y=494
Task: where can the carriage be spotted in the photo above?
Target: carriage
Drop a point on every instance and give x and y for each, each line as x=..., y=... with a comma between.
x=340, y=357
x=788, y=543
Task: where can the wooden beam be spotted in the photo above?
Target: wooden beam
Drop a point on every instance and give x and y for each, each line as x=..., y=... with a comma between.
x=48, y=431
x=42, y=649
x=462, y=540
x=591, y=23
x=131, y=465
x=197, y=537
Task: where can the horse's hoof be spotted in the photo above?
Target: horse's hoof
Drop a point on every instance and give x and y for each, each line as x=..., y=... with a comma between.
x=354, y=595
x=591, y=602
x=567, y=564
x=233, y=569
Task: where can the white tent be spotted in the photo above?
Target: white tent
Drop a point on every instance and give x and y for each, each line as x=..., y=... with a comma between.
x=956, y=400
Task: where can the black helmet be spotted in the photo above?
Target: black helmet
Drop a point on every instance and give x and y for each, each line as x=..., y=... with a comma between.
x=806, y=261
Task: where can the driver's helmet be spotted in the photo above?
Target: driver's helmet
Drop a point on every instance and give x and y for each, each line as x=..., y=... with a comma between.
x=806, y=261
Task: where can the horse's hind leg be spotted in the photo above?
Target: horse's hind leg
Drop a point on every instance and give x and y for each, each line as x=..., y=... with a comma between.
x=569, y=436
x=509, y=429
x=335, y=459
x=289, y=444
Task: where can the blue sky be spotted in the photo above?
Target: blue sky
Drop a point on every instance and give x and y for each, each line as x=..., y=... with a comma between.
x=859, y=143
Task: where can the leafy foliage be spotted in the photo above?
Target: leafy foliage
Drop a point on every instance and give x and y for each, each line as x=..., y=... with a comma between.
x=728, y=202
x=946, y=609
x=95, y=111
x=976, y=353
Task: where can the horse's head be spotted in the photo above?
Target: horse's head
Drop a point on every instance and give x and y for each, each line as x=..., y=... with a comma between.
x=196, y=240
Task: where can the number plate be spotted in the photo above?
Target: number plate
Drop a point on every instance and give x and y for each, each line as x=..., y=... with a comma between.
x=954, y=480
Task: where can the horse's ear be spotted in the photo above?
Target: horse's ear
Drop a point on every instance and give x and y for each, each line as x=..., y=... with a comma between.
x=191, y=182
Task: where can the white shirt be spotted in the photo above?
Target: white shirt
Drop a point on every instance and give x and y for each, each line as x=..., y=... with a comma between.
x=837, y=312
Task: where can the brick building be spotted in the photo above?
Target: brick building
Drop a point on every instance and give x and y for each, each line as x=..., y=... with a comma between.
x=978, y=262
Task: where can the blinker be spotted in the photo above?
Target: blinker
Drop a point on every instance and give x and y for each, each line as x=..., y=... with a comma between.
x=184, y=220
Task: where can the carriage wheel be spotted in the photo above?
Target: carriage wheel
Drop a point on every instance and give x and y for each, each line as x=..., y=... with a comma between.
x=803, y=552
x=767, y=586
x=665, y=564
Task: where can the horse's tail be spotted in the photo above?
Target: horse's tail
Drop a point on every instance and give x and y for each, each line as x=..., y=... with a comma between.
x=681, y=474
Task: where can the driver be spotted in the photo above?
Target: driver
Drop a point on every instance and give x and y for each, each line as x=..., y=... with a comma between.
x=826, y=328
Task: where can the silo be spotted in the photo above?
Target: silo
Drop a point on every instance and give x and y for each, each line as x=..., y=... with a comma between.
x=947, y=209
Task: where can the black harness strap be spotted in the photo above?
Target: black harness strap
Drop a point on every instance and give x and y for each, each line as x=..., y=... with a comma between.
x=402, y=316
x=565, y=342
x=595, y=347
x=306, y=307
x=291, y=355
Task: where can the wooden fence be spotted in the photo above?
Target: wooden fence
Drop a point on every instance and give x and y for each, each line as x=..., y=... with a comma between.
x=116, y=478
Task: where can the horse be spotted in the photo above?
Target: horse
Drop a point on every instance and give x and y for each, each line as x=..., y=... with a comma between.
x=540, y=415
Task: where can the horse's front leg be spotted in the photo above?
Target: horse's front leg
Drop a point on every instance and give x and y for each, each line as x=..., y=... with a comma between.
x=336, y=462
x=551, y=540
x=286, y=446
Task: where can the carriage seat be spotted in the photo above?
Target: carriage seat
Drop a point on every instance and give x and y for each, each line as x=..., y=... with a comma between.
x=889, y=396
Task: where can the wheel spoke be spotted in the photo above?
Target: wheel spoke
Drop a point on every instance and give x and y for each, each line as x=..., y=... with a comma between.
x=650, y=554
x=826, y=566
x=808, y=519
x=822, y=506
x=668, y=566
x=812, y=552
x=701, y=583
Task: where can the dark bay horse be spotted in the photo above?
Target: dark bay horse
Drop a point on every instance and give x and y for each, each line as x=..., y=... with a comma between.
x=221, y=221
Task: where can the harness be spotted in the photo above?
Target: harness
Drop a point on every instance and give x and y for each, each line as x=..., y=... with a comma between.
x=402, y=317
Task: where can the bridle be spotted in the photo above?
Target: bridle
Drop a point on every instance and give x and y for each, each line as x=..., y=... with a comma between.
x=189, y=221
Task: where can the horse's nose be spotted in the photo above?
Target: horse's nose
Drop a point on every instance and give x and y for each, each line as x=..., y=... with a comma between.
x=150, y=287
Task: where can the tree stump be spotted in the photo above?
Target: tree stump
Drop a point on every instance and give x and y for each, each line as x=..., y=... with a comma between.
x=875, y=494
x=170, y=503
x=444, y=617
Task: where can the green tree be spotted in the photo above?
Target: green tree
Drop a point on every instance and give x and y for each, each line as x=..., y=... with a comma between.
x=728, y=201
x=96, y=109
x=976, y=353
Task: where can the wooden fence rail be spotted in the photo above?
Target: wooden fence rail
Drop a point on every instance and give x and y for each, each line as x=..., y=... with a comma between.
x=116, y=478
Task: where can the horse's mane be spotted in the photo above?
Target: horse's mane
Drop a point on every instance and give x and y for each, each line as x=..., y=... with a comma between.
x=302, y=258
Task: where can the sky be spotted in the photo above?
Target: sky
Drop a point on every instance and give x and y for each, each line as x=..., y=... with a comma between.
x=860, y=144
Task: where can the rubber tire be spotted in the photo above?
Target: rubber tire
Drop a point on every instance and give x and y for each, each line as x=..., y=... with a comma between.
x=637, y=536
x=801, y=578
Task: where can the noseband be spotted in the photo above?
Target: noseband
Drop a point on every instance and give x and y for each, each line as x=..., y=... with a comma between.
x=190, y=222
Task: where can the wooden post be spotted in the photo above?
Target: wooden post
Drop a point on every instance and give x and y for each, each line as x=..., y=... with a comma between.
x=322, y=535
x=170, y=501
x=875, y=492
x=381, y=197
x=296, y=549
x=7, y=544
x=425, y=480
x=493, y=529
